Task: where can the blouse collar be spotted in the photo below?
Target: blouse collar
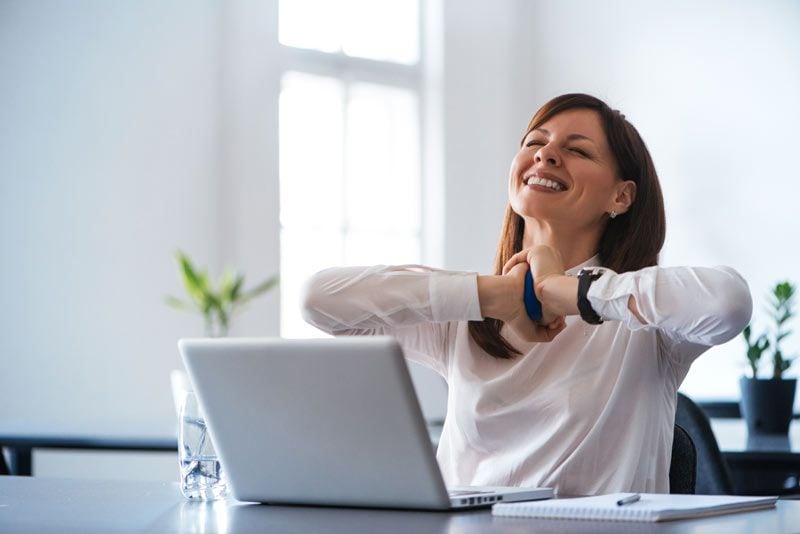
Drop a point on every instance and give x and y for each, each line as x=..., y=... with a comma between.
x=594, y=261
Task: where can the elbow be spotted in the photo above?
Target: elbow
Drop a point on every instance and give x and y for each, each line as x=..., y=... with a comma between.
x=313, y=302
x=734, y=308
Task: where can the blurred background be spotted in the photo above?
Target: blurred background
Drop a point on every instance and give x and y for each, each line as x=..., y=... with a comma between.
x=288, y=136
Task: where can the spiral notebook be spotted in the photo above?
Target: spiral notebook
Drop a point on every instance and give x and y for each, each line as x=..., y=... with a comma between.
x=651, y=507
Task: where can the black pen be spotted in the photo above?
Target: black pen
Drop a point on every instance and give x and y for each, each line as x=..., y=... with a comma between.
x=629, y=499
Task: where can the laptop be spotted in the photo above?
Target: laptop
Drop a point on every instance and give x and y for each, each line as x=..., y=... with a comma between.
x=332, y=422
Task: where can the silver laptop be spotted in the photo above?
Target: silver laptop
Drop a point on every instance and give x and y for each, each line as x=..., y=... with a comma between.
x=330, y=422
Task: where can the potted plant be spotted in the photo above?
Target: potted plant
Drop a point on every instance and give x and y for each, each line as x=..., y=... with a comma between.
x=216, y=305
x=767, y=404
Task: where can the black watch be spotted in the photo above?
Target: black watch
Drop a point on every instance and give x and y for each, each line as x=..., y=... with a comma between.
x=585, y=279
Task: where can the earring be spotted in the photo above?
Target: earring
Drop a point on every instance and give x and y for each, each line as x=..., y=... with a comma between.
x=613, y=214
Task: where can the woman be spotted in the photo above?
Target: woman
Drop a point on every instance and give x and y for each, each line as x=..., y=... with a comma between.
x=584, y=399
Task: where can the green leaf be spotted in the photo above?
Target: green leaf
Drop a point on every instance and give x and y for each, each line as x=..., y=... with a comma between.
x=226, y=284
x=263, y=287
x=191, y=280
x=179, y=304
x=205, y=283
x=236, y=289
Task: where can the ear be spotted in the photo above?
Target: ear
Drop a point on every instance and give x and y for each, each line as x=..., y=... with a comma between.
x=624, y=195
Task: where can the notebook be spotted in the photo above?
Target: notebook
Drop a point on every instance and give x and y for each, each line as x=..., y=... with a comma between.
x=651, y=507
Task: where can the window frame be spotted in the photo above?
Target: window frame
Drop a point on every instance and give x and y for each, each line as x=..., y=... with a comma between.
x=351, y=70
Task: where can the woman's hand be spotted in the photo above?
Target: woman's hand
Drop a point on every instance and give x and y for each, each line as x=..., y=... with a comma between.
x=545, y=263
x=501, y=298
x=526, y=329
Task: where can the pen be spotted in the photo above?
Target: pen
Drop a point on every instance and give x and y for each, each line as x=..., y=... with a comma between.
x=629, y=499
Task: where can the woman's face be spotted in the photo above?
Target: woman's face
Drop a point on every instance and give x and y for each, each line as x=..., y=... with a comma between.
x=565, y=172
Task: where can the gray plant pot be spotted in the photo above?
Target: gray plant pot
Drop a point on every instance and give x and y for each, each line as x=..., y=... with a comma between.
x=767, y=405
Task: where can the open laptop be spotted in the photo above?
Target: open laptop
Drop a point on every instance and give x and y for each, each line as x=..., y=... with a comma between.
x=331, y=422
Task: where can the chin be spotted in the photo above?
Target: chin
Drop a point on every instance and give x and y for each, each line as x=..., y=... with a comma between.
x=534, y=210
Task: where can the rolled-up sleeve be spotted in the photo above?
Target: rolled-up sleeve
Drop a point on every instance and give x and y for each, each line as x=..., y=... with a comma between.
x=413, y=303
x=692, y=307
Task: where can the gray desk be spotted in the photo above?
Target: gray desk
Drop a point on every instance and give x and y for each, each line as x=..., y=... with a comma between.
x=760, y=464
x=733, y=437
x=20, y=439
x=20, y=447
x=33, y=505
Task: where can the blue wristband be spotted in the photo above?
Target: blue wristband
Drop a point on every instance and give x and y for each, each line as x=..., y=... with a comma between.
x=532, y=305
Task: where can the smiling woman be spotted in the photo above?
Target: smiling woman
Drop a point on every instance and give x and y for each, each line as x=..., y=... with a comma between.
x=583, y=399
x=602, y=165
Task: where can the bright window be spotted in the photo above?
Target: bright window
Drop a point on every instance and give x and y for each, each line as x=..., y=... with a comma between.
x=383, y=30
x=350, y=169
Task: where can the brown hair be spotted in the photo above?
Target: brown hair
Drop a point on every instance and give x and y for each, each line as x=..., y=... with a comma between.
x=629, y=242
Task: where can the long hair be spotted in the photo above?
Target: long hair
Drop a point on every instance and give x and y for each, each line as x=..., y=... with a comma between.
x=631, y=241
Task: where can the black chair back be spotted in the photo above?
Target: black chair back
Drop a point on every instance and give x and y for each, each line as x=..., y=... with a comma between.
x=3, y=467
x=683, y=466
x=713, y=474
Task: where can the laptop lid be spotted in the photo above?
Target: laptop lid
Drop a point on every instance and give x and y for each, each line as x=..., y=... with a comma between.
x=320, y=421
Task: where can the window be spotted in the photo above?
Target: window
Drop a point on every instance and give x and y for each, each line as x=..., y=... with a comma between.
x=350, y=140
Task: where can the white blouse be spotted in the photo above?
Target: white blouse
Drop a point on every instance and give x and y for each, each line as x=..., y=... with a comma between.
x=591, y=412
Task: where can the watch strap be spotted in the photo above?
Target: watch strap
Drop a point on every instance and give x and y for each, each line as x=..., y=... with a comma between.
x=585, y=279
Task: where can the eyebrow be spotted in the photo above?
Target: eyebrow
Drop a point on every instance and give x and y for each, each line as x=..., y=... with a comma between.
x=570, y=137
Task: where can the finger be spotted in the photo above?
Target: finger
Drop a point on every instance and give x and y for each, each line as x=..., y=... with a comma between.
x=509, y=264
x=519, y=257
x=551, y=334
x=518, y=269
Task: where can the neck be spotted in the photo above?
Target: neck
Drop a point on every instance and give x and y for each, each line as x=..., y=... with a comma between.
x=575, y=245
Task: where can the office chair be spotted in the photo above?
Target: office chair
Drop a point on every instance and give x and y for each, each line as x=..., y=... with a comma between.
x=683, y=465
x=713, y=474
x=4, y=470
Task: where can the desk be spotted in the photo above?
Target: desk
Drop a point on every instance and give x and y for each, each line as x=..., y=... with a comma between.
x=760, y=464
x=30, y=505
x=20, y=440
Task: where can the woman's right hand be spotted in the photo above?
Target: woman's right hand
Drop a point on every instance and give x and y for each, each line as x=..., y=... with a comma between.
x=544, y=262
x=502, y=298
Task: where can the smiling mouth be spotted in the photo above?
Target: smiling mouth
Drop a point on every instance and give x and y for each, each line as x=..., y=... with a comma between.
x=553, y=185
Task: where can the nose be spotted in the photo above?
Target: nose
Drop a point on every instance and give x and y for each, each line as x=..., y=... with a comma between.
x=547, y=154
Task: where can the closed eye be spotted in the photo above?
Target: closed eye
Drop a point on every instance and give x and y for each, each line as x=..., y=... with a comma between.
x=534, y=142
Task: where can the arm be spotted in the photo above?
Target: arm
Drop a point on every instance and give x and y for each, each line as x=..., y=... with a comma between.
x=341, y=300
x=412, y=303
x=700, y=305
x=693, y=308
x=415, y=304
x=561, y=294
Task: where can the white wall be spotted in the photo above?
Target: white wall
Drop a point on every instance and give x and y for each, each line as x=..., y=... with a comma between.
x=713, y=88
x=481, y=127
x=127, y=130
x=110, y=120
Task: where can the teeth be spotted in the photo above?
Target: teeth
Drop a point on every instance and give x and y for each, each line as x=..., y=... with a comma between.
x=555, y=186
